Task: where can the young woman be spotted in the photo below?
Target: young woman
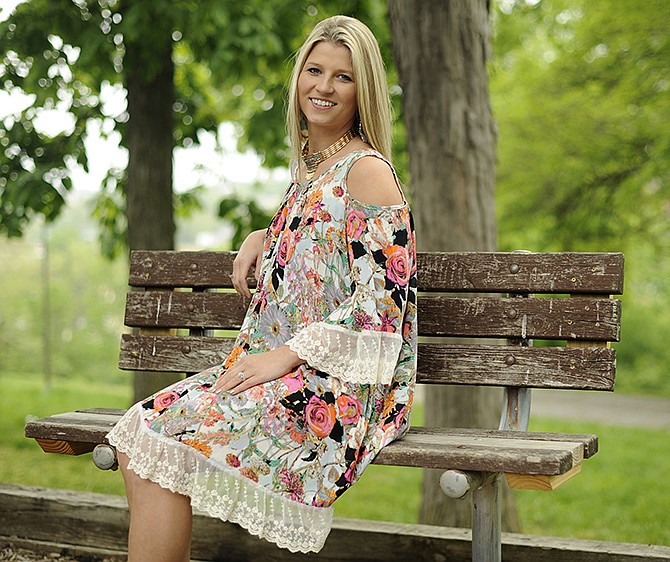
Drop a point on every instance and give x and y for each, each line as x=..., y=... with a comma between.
x=322, y=374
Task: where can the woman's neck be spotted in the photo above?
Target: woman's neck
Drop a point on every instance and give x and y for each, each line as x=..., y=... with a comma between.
x=320, y=138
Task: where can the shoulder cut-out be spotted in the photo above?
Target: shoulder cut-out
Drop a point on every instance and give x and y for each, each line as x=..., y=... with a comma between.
x=371, y=180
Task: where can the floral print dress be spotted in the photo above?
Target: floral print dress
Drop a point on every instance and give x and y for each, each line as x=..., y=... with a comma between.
x=338, y=285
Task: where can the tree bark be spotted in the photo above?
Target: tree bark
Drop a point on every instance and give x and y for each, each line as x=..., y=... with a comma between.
x=149, y=81
x=441, y=51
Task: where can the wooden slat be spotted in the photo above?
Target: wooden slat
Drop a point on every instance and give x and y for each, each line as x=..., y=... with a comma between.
x=487, y=454
x=90, y=526
x=462, y=449
x=172, y=354
x=534, y=367
x=82, y=426
x=490, y=365
x=512, y=272
x=503, y=272
x=153, y=309
x=550, y=318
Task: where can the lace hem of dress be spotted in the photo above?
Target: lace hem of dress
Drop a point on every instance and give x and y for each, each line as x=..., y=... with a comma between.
x=217, y=490
x=365, y=357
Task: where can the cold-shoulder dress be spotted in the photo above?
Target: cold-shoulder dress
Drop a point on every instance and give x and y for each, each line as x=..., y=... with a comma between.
x=338, y=285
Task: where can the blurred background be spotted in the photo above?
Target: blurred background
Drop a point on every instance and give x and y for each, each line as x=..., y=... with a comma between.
x=579, y=92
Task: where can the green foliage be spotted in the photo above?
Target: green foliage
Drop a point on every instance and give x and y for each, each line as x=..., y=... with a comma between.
x=580, y=96
x=579, y=91
x=629, y=509
x=86, y=292
x=231, y=61
x=26, y=463
x=245, y=216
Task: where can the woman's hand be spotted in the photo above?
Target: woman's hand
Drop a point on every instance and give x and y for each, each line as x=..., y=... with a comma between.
x=250, y=255
x=258, y=368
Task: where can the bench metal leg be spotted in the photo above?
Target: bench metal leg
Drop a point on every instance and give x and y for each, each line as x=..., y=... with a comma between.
x=486, y=543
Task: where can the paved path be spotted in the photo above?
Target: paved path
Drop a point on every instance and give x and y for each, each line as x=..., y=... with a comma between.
x=603, y=407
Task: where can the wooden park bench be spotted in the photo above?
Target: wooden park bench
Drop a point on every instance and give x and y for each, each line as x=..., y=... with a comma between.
x=179, y=299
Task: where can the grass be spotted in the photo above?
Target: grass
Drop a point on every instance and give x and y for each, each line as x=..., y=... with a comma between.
x=619, y=496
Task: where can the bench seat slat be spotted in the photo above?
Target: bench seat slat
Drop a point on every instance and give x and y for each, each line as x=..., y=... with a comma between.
x=462, y=449
x=492, y=365
x=548, y=318
x=503, y=272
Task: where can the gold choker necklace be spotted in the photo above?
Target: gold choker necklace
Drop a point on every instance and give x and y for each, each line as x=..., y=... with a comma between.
x=312, y=161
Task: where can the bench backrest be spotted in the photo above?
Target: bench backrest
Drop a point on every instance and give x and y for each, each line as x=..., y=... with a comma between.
x=186, y=313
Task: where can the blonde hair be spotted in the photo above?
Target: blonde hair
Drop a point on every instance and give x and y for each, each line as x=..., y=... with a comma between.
x=372, y=95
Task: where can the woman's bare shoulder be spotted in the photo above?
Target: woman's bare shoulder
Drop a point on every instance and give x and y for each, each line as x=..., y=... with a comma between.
x=371, y=180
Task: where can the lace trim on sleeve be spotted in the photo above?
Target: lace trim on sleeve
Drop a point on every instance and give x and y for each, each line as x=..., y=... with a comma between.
x=366, y=357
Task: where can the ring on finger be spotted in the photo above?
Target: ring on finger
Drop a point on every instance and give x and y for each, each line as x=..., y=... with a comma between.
x=241, y=375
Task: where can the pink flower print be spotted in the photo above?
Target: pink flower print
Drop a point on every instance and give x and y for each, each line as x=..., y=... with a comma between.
x=397, y=265
x=232, y=460
x=389, y=318
x=349, y=408
x=363, y=321
x=165, y=399
x=320, y=416
x=293, y=381
x=278, y=221
x=286, y=247
x=293, y=484
x=355, y=224
x=351, y=471
x=338, y=191
x=256, y=392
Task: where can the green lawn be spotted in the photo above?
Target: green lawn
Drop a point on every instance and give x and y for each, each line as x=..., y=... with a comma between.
x=617, y=497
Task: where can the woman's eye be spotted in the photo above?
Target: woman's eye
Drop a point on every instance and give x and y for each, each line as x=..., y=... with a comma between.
x=313, y=70
x=345, y=77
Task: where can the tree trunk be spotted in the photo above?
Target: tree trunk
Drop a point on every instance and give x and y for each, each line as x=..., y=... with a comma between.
x=441, y=51
x=149, y=207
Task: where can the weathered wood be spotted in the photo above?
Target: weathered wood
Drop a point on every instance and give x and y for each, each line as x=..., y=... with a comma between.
x=96, y=525
x=504, y=272
x=491, y=365
x=588, y=322
x=81, y=426
x=461, y=449
x=550, y=318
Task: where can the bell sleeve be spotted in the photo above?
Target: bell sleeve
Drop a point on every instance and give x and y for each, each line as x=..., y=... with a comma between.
x=360, y=341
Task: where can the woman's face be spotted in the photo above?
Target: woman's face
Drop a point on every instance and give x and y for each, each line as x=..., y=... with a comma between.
x=326, y=88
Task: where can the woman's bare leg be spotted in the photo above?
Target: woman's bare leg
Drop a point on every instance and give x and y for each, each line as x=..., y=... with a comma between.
x=160, y=520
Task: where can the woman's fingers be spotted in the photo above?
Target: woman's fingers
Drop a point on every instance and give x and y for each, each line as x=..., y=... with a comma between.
x=250, y=255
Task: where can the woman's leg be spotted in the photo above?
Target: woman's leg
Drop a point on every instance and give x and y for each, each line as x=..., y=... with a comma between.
x=160, y=520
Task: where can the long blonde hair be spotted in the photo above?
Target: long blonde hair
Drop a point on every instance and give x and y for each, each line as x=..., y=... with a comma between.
x=372, y=95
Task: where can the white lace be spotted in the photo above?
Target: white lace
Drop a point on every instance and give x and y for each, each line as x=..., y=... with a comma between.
x=365, y=357
x=219, y=491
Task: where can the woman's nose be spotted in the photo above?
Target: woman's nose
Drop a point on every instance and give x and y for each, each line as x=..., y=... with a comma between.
x=325, y=85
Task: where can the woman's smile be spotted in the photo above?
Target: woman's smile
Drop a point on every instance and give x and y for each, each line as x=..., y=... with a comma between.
x=327, y=90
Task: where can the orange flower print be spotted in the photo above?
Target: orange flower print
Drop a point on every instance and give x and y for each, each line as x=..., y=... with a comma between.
x=199, y=446
x=249, y=473
x=320, y=416
x=397, y=265
x=350, y=409
x=233, y=356
x=286, y=247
